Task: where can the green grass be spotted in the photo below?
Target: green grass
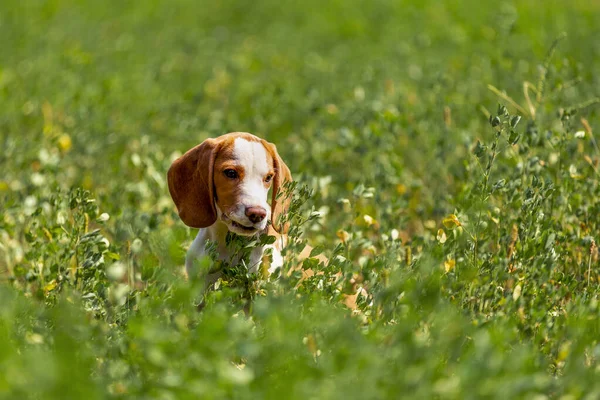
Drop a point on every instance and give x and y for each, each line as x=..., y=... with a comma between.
x=474, y=232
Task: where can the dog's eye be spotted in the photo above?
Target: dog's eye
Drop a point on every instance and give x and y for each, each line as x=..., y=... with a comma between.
x=230, y=173
x=268, y=178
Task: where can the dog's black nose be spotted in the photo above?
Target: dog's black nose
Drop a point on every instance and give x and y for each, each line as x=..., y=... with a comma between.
x=256, y=214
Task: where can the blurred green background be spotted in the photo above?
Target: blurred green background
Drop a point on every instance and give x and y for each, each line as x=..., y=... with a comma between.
x=377, y=106
x=120, y=77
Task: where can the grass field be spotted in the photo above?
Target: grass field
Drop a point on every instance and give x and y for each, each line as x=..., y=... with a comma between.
x=446, y=160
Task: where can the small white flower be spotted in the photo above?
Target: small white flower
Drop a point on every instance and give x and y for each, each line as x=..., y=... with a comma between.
x=61, y=218
x=29, y=205
x=136, y=159
x=359, y=93
x=580, y=134
x=136, y=245
x=517, y=293
x=30, y=201
x=116, y=271
x=37, y=179
x=103, y=217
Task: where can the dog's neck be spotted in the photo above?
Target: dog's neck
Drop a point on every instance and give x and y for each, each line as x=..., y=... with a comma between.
x=217, y=233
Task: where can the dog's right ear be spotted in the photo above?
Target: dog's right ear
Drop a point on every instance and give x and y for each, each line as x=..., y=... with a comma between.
x=191, y=184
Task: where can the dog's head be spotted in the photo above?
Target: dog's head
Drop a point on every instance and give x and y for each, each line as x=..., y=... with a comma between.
x=229, y=178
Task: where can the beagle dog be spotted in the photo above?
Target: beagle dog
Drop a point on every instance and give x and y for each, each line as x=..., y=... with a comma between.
x=221, y=185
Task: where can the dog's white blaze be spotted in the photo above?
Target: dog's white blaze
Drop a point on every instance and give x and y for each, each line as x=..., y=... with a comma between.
x=253, y=157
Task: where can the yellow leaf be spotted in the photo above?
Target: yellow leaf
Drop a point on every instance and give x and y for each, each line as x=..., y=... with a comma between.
x=73, y=267
x=401, y=189
x=47, y=234
x=65, y=143
x=48, y=114
x=343, y=235
x=429, y=224
x=449, y=265
x=563, y=351
x=451, y=221
x=265, y=265
x=50, y=286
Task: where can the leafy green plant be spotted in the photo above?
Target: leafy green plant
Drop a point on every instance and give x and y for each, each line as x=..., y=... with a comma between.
x=470, y=234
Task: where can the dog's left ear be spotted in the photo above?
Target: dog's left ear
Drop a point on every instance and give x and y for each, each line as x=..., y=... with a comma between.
x=279, y=206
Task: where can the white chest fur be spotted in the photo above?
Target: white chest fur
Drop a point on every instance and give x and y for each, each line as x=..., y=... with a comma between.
x=217, y=233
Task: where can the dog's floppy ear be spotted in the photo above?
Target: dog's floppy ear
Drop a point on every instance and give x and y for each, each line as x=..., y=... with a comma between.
x=191, y=184
x=279, y=206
